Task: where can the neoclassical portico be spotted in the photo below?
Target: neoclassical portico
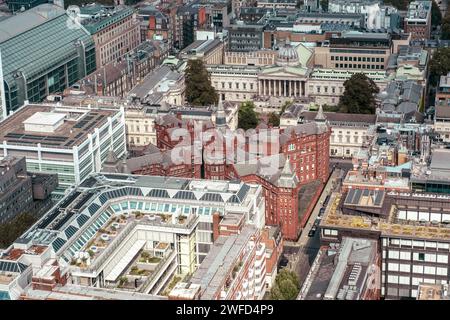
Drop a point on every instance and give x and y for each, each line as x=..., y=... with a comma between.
x=287, y=78
x=281, y=87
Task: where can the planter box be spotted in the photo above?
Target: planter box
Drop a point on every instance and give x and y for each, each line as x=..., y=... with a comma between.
x=147, y=266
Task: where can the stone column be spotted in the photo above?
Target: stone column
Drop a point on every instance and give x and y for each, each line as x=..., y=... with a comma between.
x=279, y=88
x=284, y=92
x=270, y=87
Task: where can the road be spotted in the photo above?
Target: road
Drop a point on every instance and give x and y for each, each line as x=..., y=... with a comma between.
x=301, y=254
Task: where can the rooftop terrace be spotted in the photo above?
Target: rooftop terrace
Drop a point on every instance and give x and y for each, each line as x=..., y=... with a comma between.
x=395, y=224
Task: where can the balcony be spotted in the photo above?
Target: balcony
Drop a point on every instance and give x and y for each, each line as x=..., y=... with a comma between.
x=259, y=262
x=261, y=248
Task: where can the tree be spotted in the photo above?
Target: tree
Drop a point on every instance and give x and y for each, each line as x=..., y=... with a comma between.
x=327, y=108
x=359, y=95
x=10, y=231
x=436, y=16
x=286, y=286
x=445, y=31
x=288, y=289
x=199, y=90
x=399, y=4
x=324, y=5
x=247, y=116
x=274, y=119
x=439, y=65
x=275, y=293
x=286, y=105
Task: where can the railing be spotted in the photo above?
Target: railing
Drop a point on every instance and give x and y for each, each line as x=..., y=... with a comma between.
x=163, y=264
x=106, y=254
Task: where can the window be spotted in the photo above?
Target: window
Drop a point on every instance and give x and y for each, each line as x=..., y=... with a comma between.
x=392, y=279
x=429, y=270
x=417, y=269
x=441, y=258
x=429, y=257
x=405, y=255
x=393, y=254
x=416, y=281
x=393, y=266
x=403, y=280
x=441, y=271
x=405, y=268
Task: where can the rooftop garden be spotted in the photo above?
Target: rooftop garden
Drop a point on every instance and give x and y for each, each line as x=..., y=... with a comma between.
x=146, y=257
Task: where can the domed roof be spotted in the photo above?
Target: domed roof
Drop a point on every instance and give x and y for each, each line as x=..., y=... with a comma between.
x=287, y=55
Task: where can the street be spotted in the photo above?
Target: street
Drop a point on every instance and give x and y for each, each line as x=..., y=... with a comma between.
x=301, y=254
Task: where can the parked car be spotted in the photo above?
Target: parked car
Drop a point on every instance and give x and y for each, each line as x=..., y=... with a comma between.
x=312, y=232
x=321, y=211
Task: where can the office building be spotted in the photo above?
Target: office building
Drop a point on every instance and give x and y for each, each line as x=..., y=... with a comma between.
x=115, y=31
x=418, y=20
x=443, y=91
x=72, y=142
x=355, y=50
x=411, y=227
x=104, y=225
x=244, y=37
x=55, y=56
x=23, y=192
x=344, y=271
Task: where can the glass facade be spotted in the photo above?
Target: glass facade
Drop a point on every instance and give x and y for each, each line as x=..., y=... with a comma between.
x=433, y=187
x=46, y=56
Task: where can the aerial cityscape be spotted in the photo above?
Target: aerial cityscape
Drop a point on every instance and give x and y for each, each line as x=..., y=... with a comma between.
x=224, y=150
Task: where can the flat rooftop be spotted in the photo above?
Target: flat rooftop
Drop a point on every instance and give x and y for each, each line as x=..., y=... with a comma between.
x=80, y=208
x=339, y=271
x=220, y=261
x=78, y=123
x=73, y=292
x=157, y=82
x=393, y=225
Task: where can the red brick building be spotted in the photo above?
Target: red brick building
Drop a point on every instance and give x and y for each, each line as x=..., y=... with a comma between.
x=280, y=160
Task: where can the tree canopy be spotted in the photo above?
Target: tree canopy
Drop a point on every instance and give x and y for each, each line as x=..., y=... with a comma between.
x=436, y=15
x=199, y=90
x=11, y=230
x=286, y=286
x=247, y=116
x=324, y=5
x=399, y=4
x=274, y=119
x=439, y=65
x=359, y=95
x=445, y=31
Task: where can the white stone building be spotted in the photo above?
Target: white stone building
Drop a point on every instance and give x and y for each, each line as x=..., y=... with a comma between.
x=72, y=142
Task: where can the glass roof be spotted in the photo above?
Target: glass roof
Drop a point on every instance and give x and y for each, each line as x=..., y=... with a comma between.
x=40, y=49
